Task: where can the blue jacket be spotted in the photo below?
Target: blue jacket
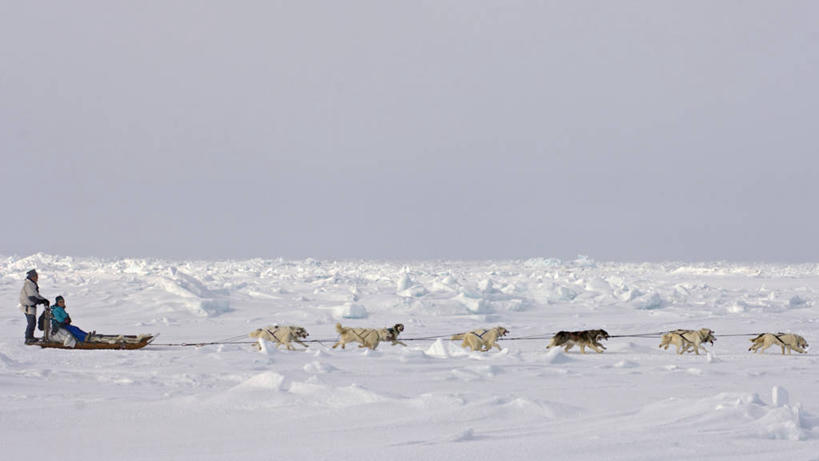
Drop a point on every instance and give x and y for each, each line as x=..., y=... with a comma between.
x=58, y=316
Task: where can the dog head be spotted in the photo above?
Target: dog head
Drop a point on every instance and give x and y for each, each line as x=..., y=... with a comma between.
x=502, y=331
x=601, y=334
x=707, y=336
x=299, y=332
x=391, y=333
x=800, y=341
x=256, y=333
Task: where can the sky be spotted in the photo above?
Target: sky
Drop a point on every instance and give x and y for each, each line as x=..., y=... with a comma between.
x=628, y=130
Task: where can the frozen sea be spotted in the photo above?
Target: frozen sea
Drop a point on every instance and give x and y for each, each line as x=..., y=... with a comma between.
x=431, y=400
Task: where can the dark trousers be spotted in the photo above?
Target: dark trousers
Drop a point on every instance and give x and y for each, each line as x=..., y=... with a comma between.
x=32, y=322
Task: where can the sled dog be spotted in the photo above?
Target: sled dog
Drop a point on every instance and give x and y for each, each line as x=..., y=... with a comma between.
x=789, y=341
x=687, y=339
x=481, y=339
x=281, y=335
x=584, y=339
x=368, y=337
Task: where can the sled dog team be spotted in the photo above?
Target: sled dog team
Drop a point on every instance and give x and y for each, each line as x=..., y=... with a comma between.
x=481, y=339
x=484, y=339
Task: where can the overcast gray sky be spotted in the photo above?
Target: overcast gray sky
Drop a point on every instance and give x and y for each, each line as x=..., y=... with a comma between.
x=623, y=130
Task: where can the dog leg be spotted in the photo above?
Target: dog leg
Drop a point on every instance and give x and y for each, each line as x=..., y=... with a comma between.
x=498, y=346
x=582, y=348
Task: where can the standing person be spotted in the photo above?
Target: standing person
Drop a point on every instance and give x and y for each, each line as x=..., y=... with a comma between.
x=29, y=298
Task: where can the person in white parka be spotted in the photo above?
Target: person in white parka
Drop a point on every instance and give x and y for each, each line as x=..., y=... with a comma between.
x=29, y=299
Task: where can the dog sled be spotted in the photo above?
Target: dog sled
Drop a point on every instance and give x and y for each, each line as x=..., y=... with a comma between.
x=94, y=341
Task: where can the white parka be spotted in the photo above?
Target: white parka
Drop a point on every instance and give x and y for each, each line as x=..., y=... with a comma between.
x=29, y=296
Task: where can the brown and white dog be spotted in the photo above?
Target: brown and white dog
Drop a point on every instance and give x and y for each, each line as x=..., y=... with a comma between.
x=584, y=339
x=281, y=335
x=368, y=337
x=789, y=341
x=481, y=339
x=688, y=339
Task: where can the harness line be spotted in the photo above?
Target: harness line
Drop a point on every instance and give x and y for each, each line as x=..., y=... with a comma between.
x=539, y=337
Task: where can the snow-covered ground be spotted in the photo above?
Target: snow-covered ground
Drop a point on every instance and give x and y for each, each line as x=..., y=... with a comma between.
x=430, y=400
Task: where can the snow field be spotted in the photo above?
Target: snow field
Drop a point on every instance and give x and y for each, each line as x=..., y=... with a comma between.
x=432, y=399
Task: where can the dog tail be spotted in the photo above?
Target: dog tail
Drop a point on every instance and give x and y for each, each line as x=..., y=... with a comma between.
x=340, y=329
x=458, y=336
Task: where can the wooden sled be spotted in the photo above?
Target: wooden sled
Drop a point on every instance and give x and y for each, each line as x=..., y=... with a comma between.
x=95, y=341
x=128, y=342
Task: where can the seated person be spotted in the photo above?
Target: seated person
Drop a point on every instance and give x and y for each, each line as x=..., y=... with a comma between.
x=61, y=328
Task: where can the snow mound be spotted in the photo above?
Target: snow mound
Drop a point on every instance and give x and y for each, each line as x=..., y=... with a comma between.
x=555, y=293
x=406, y=287
x=745, y=413
x=336, y=397
x=350, y=311
x=268, y=380
x=474, y=303
x=798, y=301
x=630, y=347
x=7, y=362
x=556, y=356
x=317, y=367
x=463, y=436
x=413, y=356
x=444, y=350
x=649, y=301
x=779, y=396
x=194, y=294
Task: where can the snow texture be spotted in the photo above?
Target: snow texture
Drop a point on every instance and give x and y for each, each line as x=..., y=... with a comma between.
x=431, y=400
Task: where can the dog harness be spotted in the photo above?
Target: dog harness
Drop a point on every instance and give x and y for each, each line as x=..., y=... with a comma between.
x=273, y=335
x=480, y=335
x=362, y=337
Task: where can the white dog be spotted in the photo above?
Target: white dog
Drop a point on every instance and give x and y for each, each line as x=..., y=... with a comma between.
x=688, y=339
x=281, y=335
x=789, y=341
x=482, y=339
